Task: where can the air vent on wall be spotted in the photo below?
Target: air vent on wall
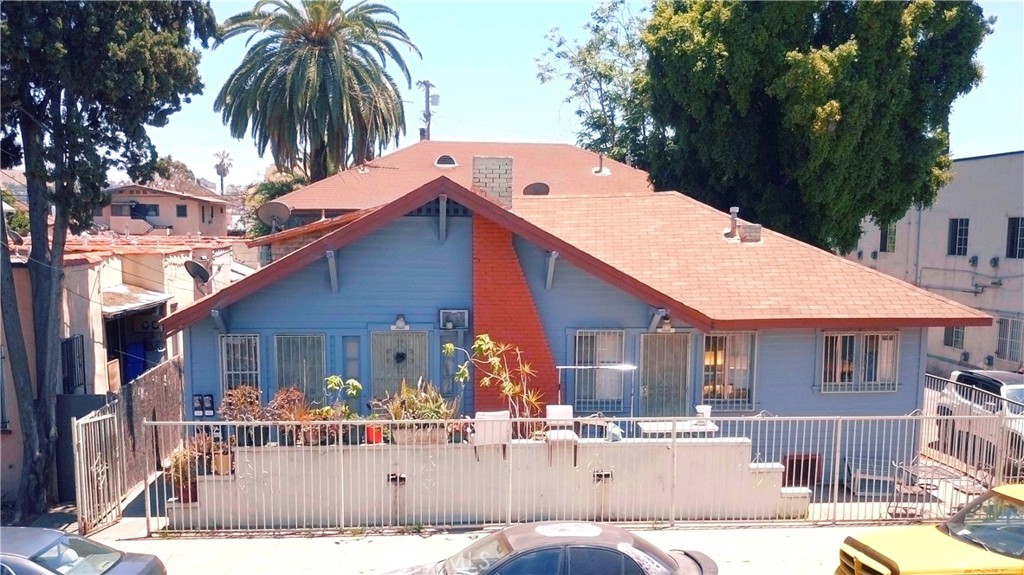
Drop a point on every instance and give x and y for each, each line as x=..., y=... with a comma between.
x=536, y=189
x=454, y=318
x=445, y=161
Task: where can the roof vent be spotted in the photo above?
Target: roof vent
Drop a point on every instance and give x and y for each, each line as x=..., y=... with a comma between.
x=600, y=170
x=536, y=189
x=445, y=161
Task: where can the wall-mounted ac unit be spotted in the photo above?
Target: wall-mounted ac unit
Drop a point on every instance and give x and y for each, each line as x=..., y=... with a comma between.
x=453, y=319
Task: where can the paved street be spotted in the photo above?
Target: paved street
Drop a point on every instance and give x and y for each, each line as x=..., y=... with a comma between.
x=738, y=551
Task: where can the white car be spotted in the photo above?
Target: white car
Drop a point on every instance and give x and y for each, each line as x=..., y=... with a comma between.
x=977, y=441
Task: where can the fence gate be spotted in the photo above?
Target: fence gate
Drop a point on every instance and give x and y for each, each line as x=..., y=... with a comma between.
x=99, y=468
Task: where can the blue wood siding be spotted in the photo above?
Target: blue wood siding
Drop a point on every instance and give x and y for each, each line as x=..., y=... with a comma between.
x=404, y=268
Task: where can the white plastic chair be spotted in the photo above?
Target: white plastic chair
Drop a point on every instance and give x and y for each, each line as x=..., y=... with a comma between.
x=492, y=428
x=561, y=430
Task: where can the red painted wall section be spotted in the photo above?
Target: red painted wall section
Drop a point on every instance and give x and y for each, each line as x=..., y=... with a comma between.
x=503, y=308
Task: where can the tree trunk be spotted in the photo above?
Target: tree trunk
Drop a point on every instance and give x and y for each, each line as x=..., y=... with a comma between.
x=317, y=162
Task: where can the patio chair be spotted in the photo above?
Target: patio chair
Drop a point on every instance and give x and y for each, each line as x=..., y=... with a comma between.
x=561, y=430
x=492, y=428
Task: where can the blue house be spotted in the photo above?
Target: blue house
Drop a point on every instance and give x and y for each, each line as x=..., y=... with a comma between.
x=578, y=261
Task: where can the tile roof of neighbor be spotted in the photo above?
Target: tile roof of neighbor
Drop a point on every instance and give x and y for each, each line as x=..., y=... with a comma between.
x=565, y=169
x=176, y=186
x=94, y=248
x=666, y=249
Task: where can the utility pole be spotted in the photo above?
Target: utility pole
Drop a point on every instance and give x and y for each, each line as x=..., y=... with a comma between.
x=426, y=85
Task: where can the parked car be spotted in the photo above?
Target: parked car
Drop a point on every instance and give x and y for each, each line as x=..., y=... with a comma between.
x=984, y=393
x=563, y=548
x=986, y=536
x=37, y=551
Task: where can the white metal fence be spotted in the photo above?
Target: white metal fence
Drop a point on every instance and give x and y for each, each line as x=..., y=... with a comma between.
x=331, y=476
x=99, y=468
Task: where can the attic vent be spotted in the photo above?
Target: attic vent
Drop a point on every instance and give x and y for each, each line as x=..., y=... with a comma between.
x=445, y=161
x=536, y=189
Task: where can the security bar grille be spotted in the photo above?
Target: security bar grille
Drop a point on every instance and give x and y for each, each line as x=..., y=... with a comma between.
x=600, y=388
x=300, y=363
x=664, y=363
x=240, y=360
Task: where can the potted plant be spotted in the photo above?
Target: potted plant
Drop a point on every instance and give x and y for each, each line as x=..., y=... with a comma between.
x=460, y=430
x=182, y=472
x=222, y=461
x=417, y=404
x=201, y=446
x=342, y=395
x=288, y=404
x=242, y=404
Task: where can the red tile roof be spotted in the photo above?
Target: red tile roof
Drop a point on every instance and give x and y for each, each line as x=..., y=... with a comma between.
x=567, y=170
x=664, y=248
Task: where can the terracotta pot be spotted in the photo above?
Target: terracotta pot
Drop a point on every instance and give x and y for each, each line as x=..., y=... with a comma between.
x=222, y=463
x=186, y=492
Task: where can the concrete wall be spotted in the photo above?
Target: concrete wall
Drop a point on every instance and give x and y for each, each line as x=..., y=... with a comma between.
x=332, y=486
x=988, y=191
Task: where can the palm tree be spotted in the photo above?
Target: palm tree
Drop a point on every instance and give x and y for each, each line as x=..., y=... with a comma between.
x=223, y=166
x=314, y=84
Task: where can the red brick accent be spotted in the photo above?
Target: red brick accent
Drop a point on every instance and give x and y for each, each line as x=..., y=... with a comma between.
x=503, y=308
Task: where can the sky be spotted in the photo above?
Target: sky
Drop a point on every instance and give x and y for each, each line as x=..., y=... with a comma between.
x=480, y=56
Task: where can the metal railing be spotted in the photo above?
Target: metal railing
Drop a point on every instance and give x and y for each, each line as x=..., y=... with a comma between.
x=345, y=475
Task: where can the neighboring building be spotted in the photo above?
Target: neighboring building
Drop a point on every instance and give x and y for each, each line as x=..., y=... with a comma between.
x=14, y=182
x=969, y=247
x=576, y=260
x=115, y=294
x=179, y=207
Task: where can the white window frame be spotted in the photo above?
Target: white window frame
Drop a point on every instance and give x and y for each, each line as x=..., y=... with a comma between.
x=1011, y=339
x=887, y=239
x=309, y=380
x=728, y=368
x=240, y=368
x=605, y=386
x=953, y=336
x=860, y=362
x=959, y=236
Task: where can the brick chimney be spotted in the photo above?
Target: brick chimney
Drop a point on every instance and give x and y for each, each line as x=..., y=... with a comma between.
x=493, y=176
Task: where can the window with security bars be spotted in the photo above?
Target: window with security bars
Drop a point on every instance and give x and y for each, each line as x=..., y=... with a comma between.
x=664, y=368
x=728, y=371
x=953, y=337
x=1011, y=334
x=599, y=373
x=887, y=241
x=957, y=245
x=859, y=362
x=300, y=362
x=1015, y=238
x=239, y=360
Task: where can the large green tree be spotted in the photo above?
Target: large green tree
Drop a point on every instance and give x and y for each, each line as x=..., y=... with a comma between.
x=79, y=83
x=313, y=85
x=607, y=77
x=810, y=116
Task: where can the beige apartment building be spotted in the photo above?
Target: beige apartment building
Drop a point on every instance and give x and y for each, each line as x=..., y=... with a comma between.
x=968, y=246
x=177, y=207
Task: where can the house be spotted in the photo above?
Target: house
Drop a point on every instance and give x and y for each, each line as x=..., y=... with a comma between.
x=969, y=247
x=575, y=259
x=178, y=206
x=116, y=290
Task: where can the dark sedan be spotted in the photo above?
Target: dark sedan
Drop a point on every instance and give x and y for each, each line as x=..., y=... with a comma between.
x=37, y=551
x=567, y=548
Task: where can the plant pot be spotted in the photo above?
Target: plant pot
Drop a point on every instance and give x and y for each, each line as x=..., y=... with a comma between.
x=420, y=435
x=374, y=434
x=223, y=463
x=253, y=436
x=185, y=492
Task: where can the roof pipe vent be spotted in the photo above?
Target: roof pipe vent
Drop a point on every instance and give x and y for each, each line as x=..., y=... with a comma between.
x=600, y=170
x=734, y=213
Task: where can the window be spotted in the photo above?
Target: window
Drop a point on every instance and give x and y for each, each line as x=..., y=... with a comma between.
x=532, y=563
x=1011, y=333
x=887, y=242
x=957, y=245
x=1015, y=238
x=859, y=362
x=97, y=212
x=143, y=211
x=72, y=363
x=239, y=360
x=182, y=210
x=120, y=210
x=600, y=387
x=728, y=374
x=953, y=337
x=598, y=560
x=350, y=345
x=300, y=363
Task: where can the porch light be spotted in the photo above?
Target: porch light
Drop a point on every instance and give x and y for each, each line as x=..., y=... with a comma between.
x=399, y=323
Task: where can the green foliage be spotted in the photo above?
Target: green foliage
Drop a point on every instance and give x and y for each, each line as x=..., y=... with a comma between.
x=422, y=401
x=810, y=116
x=501, y=364
x=608, y=82
x=18, y=221
x=313, y=82
x=264, y=192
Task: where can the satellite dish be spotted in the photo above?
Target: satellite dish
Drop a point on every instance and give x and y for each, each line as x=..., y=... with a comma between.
x=274, y=214
x=198, y=272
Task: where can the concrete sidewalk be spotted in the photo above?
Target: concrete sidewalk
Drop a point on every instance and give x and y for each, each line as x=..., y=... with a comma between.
x=737, y=550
